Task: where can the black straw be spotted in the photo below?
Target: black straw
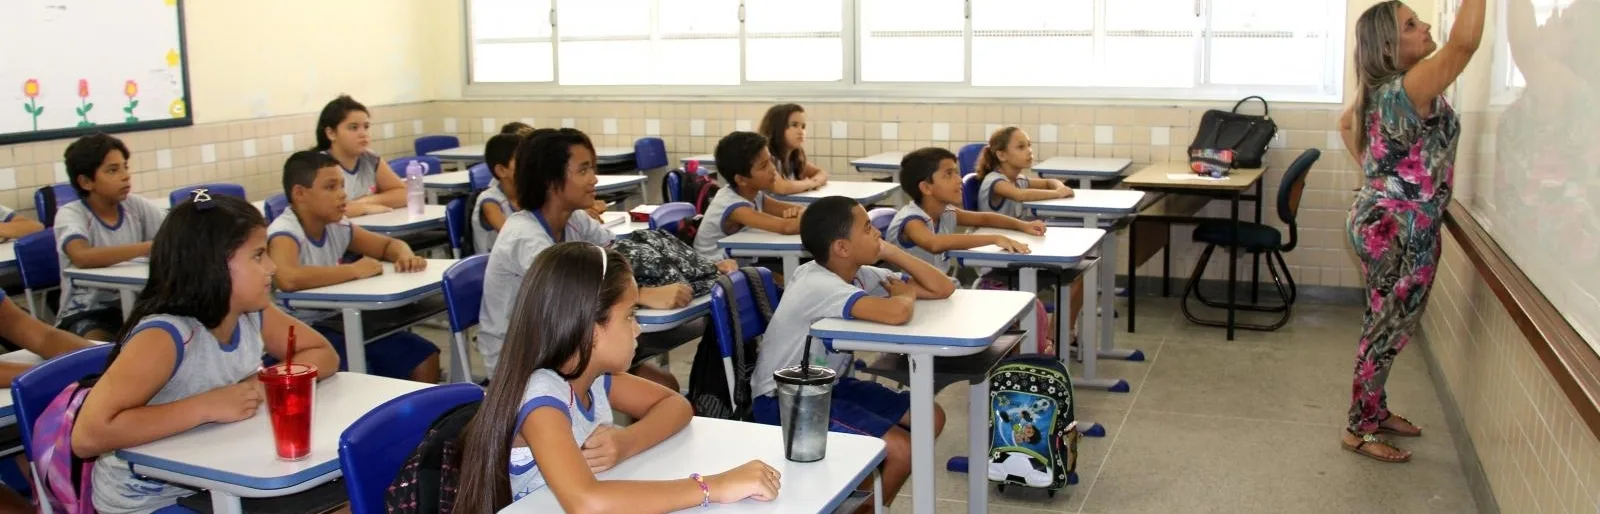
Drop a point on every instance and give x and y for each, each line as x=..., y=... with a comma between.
x=794, y=403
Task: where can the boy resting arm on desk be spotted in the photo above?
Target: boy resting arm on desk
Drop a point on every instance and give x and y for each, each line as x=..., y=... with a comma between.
x=931, y=177
x=109, y=226
x=746, y=164
x=842, y=282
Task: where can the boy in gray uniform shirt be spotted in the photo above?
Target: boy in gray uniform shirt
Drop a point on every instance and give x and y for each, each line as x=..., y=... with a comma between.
x=307, y=243
x=842, y=283
x=109, y=226
x=931, y=178
x=746, y=165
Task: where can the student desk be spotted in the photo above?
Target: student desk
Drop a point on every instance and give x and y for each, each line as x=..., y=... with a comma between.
x=612, y=154
x=710, y=446
x=398, y=222
x=760, y=243
x=619, y=224
x=126, y=278
x=662, y=320
x=617, y=183
x=8, y=256
x=964, y=324
x=8, y=414
x=386, y=291
x=447, y=183
x=249, y=468
x=1085, y=169
x=886, y=163
x=1175, y=177
x=1093, y=207
x=866, y=193
x=463, y=153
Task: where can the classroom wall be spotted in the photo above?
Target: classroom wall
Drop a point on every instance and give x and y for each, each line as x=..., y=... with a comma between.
x=1537, y=455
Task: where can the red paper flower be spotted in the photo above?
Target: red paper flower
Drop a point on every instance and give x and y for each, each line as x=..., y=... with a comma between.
x=131, y=89
x=30, y=88
x=83, y=88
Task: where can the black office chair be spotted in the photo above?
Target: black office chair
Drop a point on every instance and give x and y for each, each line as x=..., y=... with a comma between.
x=1256, y=238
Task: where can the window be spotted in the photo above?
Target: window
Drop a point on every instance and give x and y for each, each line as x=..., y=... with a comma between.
x=1027, y=48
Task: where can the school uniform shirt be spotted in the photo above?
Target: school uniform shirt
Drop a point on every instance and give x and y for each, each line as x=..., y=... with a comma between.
x=524, y=235
x=813, y=293
x=138, y=220
x=204, y=364
x=547, y=389
x=945, y=224
x=6, y=215
x=483, y=235
x=326, y=251
x=715, y=222
x=989, y=202
x=363, y=179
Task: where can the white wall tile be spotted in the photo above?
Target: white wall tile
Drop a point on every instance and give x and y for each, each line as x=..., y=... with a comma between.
x=608, y=126
x=529, y=121
x=490, y=126
x=450, y=125
x=569, y=123
x=988, y=130
x=743, y=126
x=941, y=131
x=839, y=129
x=652, y=127
x=1047, y=133
x=388, y=130
x=417, y=128
x=248, y=147
x=208, y=154
x=1160, y=136
x=697, y=127
x=1104, y=135
x=8, y=178
x=61, y=172
x=889, y=131
x=164, y=158
x=287, y=140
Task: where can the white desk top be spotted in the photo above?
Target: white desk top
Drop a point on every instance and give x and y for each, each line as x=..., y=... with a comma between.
x=1059, y=245
x=752, y=239
x=1101, y=202
x=8, y=254
x=388, y=287
x=251, y=460
x=18, y=357
x=609, y=154
x=969, y=319
x=886, y=161
x=451, y=180
x=864, y=192
x=131, y=273
x=613, y=183
x=710, y=446
x=1083, y=167
x=697, y=307
x=399, y=220
x=460, y=152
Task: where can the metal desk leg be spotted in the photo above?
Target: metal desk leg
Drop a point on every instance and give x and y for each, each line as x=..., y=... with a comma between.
x=355, y=342
x=1028, y=280
x=790, y=263
x=460, y=370
x=877, y=492
x=1255, y=258
x=1108, y=279
x=1133, y=271
x=1088, y=328
x=978, y=447
x=224, y=503
x=128, y=297
x=922, y=455
x=1233, y=264
x=433, y=196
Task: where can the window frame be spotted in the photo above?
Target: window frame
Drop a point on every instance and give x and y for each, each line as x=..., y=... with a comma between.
x=851, y=88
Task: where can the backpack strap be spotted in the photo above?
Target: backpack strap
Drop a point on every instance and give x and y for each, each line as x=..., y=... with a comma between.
x=703, y=197
x=758, y=289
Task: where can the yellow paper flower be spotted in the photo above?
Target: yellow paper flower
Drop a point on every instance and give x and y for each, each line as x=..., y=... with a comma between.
x=172, y=58
x=177, y=109
x=172, y=3
x=30, y=88
x=131, y=89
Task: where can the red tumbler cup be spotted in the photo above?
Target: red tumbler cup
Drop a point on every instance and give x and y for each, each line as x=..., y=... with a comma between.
x=291, y=392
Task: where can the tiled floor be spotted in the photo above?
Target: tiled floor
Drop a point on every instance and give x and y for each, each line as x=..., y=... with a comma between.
x=1210, y=425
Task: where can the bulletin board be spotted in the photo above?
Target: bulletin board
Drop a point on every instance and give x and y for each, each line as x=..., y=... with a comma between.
x=72, y=67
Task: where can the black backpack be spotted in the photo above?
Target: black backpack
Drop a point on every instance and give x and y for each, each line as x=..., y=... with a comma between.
x=427, y=482
x=696, y=189
x=708, y=381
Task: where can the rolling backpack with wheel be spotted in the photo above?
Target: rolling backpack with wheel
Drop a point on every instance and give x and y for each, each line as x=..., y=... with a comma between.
x=1033, y=432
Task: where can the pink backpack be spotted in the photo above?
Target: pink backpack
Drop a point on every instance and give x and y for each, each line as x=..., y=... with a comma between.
x=65, y=477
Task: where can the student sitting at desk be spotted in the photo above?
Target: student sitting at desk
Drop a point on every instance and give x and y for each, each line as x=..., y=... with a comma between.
x=498, y=201
x=746, y=164
x=13, y=226
x=784, y=126
x=108, y=227
x=555, y=179
x=342, y=132
x=548, y=412
x=190, y=357
x=307, y=242
x=842, y=282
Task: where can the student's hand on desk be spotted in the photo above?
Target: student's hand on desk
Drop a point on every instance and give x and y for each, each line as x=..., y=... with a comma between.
x=607, y=446
x=596, y=210
x=792, y=213
x=1033, y=228
x=410, y=264
x=667, y=297
x=231, y=403
x=727, y=266
x=1011, y=245
x=354, y=209
x=368, y=267
x=897, y=287
x=755, y=479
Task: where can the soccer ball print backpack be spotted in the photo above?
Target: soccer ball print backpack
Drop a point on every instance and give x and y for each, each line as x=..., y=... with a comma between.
x=1033, y=432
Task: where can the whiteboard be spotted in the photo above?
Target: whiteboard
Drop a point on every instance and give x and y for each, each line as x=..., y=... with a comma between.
x=70, y=67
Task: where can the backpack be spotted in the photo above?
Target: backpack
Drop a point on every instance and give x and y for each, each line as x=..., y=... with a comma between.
x=696, y=189
x=688, y=229
x=65, y=477
x=1033, y=430
x=660, y=259
x=708, y=380
x=427, y=481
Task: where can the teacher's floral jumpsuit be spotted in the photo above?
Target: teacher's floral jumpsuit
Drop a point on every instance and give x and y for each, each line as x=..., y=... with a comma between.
x=1395, y=229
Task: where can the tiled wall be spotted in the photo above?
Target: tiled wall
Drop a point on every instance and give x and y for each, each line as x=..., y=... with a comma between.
x=250, y=153
x=1537, y=454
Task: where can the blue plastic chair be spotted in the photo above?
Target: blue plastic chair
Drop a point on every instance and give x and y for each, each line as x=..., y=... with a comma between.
x=61, y=194
x=431, y=165
x=674, y=186
x=33, y=390
x=967, y=158
x=463, y=295
x=374, y=448
x=752, y=326
x=667, y=216
x=649, y=153
x=181, y=194
x=276, y=204
x=969, y=192
x=480, y=175
x=39, y=265
x=425, y=144
x=880, y=218
x=455, y=225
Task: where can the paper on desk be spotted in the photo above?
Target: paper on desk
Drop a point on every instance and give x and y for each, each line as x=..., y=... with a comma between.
x=1191, y=176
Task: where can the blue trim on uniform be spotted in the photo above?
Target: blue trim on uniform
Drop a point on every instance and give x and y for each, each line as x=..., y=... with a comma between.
x=172, y=331
x=722, y=224
x=607, y=378
x=900, y=232
x=122, y=215
x=851, y=303
x=536, y=402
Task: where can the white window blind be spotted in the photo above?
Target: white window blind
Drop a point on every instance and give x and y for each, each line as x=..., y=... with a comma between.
x=1033, y=43
x=511, y=41
x=793, y=41
x=913, y=40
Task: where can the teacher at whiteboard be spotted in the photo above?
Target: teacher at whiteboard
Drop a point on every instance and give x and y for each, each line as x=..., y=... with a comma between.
x=1404, y=134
